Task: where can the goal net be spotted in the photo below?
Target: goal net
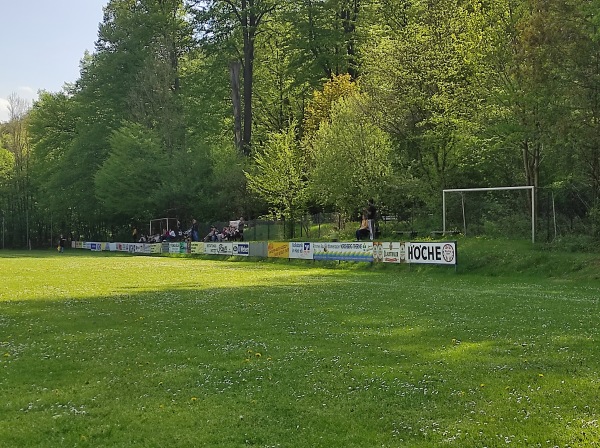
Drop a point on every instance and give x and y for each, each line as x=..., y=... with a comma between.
x=508, y=211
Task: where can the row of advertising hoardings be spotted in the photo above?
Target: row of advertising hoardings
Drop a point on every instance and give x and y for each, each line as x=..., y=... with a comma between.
x=443, y=252
x=387, y=252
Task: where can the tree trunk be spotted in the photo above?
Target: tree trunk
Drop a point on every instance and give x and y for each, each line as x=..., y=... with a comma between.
x=234, y=72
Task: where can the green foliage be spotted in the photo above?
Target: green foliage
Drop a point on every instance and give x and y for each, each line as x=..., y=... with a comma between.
x=130, y=179
x=279, y=173
x=460, y=94
x=319, y=108
x=433, y=66
x=351, y=158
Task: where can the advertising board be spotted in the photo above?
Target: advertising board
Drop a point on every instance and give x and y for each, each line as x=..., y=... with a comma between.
x=278, y=250
x=357, y=251
x=241, y=249
x=300, y=250
x=390, y=252
x=443, y=252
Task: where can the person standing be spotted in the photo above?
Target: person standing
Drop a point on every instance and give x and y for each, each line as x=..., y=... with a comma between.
x=371, y=216
x=240, y=228
x=195, y=231
x=61, y=244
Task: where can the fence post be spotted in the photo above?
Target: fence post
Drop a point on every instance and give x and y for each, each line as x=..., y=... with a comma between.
x=319, y=223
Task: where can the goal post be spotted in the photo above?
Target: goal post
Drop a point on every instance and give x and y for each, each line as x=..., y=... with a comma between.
x=464, y=190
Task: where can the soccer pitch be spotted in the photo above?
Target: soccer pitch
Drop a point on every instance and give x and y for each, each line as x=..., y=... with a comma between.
x=104, y=350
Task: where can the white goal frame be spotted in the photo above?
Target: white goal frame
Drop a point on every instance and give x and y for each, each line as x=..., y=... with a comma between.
x=461, y=190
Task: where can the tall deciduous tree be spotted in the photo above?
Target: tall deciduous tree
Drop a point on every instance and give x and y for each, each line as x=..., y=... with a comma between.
x=426, y=79
x=279, y=173
x=351, y=157
x=219, y=23
x=18, y=194
x=131, y=178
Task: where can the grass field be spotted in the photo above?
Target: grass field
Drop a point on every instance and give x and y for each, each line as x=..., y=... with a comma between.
x=102, y=350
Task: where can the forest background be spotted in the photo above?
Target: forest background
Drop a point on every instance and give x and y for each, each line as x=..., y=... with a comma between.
x=215, y=109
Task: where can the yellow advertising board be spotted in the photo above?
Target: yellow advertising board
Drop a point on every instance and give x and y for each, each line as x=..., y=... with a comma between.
x=278, y=250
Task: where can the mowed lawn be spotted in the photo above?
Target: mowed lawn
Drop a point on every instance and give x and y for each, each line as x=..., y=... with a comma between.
x=102, y=350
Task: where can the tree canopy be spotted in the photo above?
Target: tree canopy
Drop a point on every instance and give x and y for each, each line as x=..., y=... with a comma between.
x=227, y=108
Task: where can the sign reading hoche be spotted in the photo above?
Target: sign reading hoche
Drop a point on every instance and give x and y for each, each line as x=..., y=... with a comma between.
x=432, y=253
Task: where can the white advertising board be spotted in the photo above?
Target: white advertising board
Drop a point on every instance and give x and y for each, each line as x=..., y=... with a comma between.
x=301, y=250
x=432, y=253
x=241, y=249
x=218, y=248
x=343, y=251
x=390, y=252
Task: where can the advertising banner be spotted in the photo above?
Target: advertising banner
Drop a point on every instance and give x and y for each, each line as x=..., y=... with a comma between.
x=432, y=253
x=218, y=248
x=175, y=248
x=278, y=250
x=196, y=247
x=122, y=247
x=241, y=249
x=343, y=251
x=303, y=251
x=390, y=252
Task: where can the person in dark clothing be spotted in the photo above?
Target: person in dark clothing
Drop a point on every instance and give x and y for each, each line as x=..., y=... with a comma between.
x=61, y=244
x=195, y=231
x=371, y=216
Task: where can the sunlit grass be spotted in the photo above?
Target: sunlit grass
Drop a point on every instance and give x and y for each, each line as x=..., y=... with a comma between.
x=104, y=350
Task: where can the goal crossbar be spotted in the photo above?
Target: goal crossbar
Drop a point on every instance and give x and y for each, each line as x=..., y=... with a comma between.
x=464, y=190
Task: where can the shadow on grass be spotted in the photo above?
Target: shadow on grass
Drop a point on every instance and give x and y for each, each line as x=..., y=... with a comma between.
x=304, y=359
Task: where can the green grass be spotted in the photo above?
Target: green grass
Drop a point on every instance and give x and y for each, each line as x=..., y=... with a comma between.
x=103, y=350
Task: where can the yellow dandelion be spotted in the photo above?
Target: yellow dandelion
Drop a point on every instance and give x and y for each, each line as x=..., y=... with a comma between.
x=541, y=375
x=194, y=398
x=258, y=355
x=482, y=385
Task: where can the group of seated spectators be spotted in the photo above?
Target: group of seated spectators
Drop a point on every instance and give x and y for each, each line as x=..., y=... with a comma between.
x=233, y=232
x=168, y=235
x=228, y=233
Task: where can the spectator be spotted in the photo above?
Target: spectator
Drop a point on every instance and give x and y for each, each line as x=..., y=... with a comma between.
x=61, y=244
x=240, y=229
x=212, y=235
x=363, y=230
x=371, y=216
x=195, y=231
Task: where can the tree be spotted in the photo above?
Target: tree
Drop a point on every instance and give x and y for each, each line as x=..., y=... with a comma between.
x=52, y=124
x=131, y=179
x=279, y=173
x=351, y=157
x=18, y=192
x=427, y=79
x=221, y=21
